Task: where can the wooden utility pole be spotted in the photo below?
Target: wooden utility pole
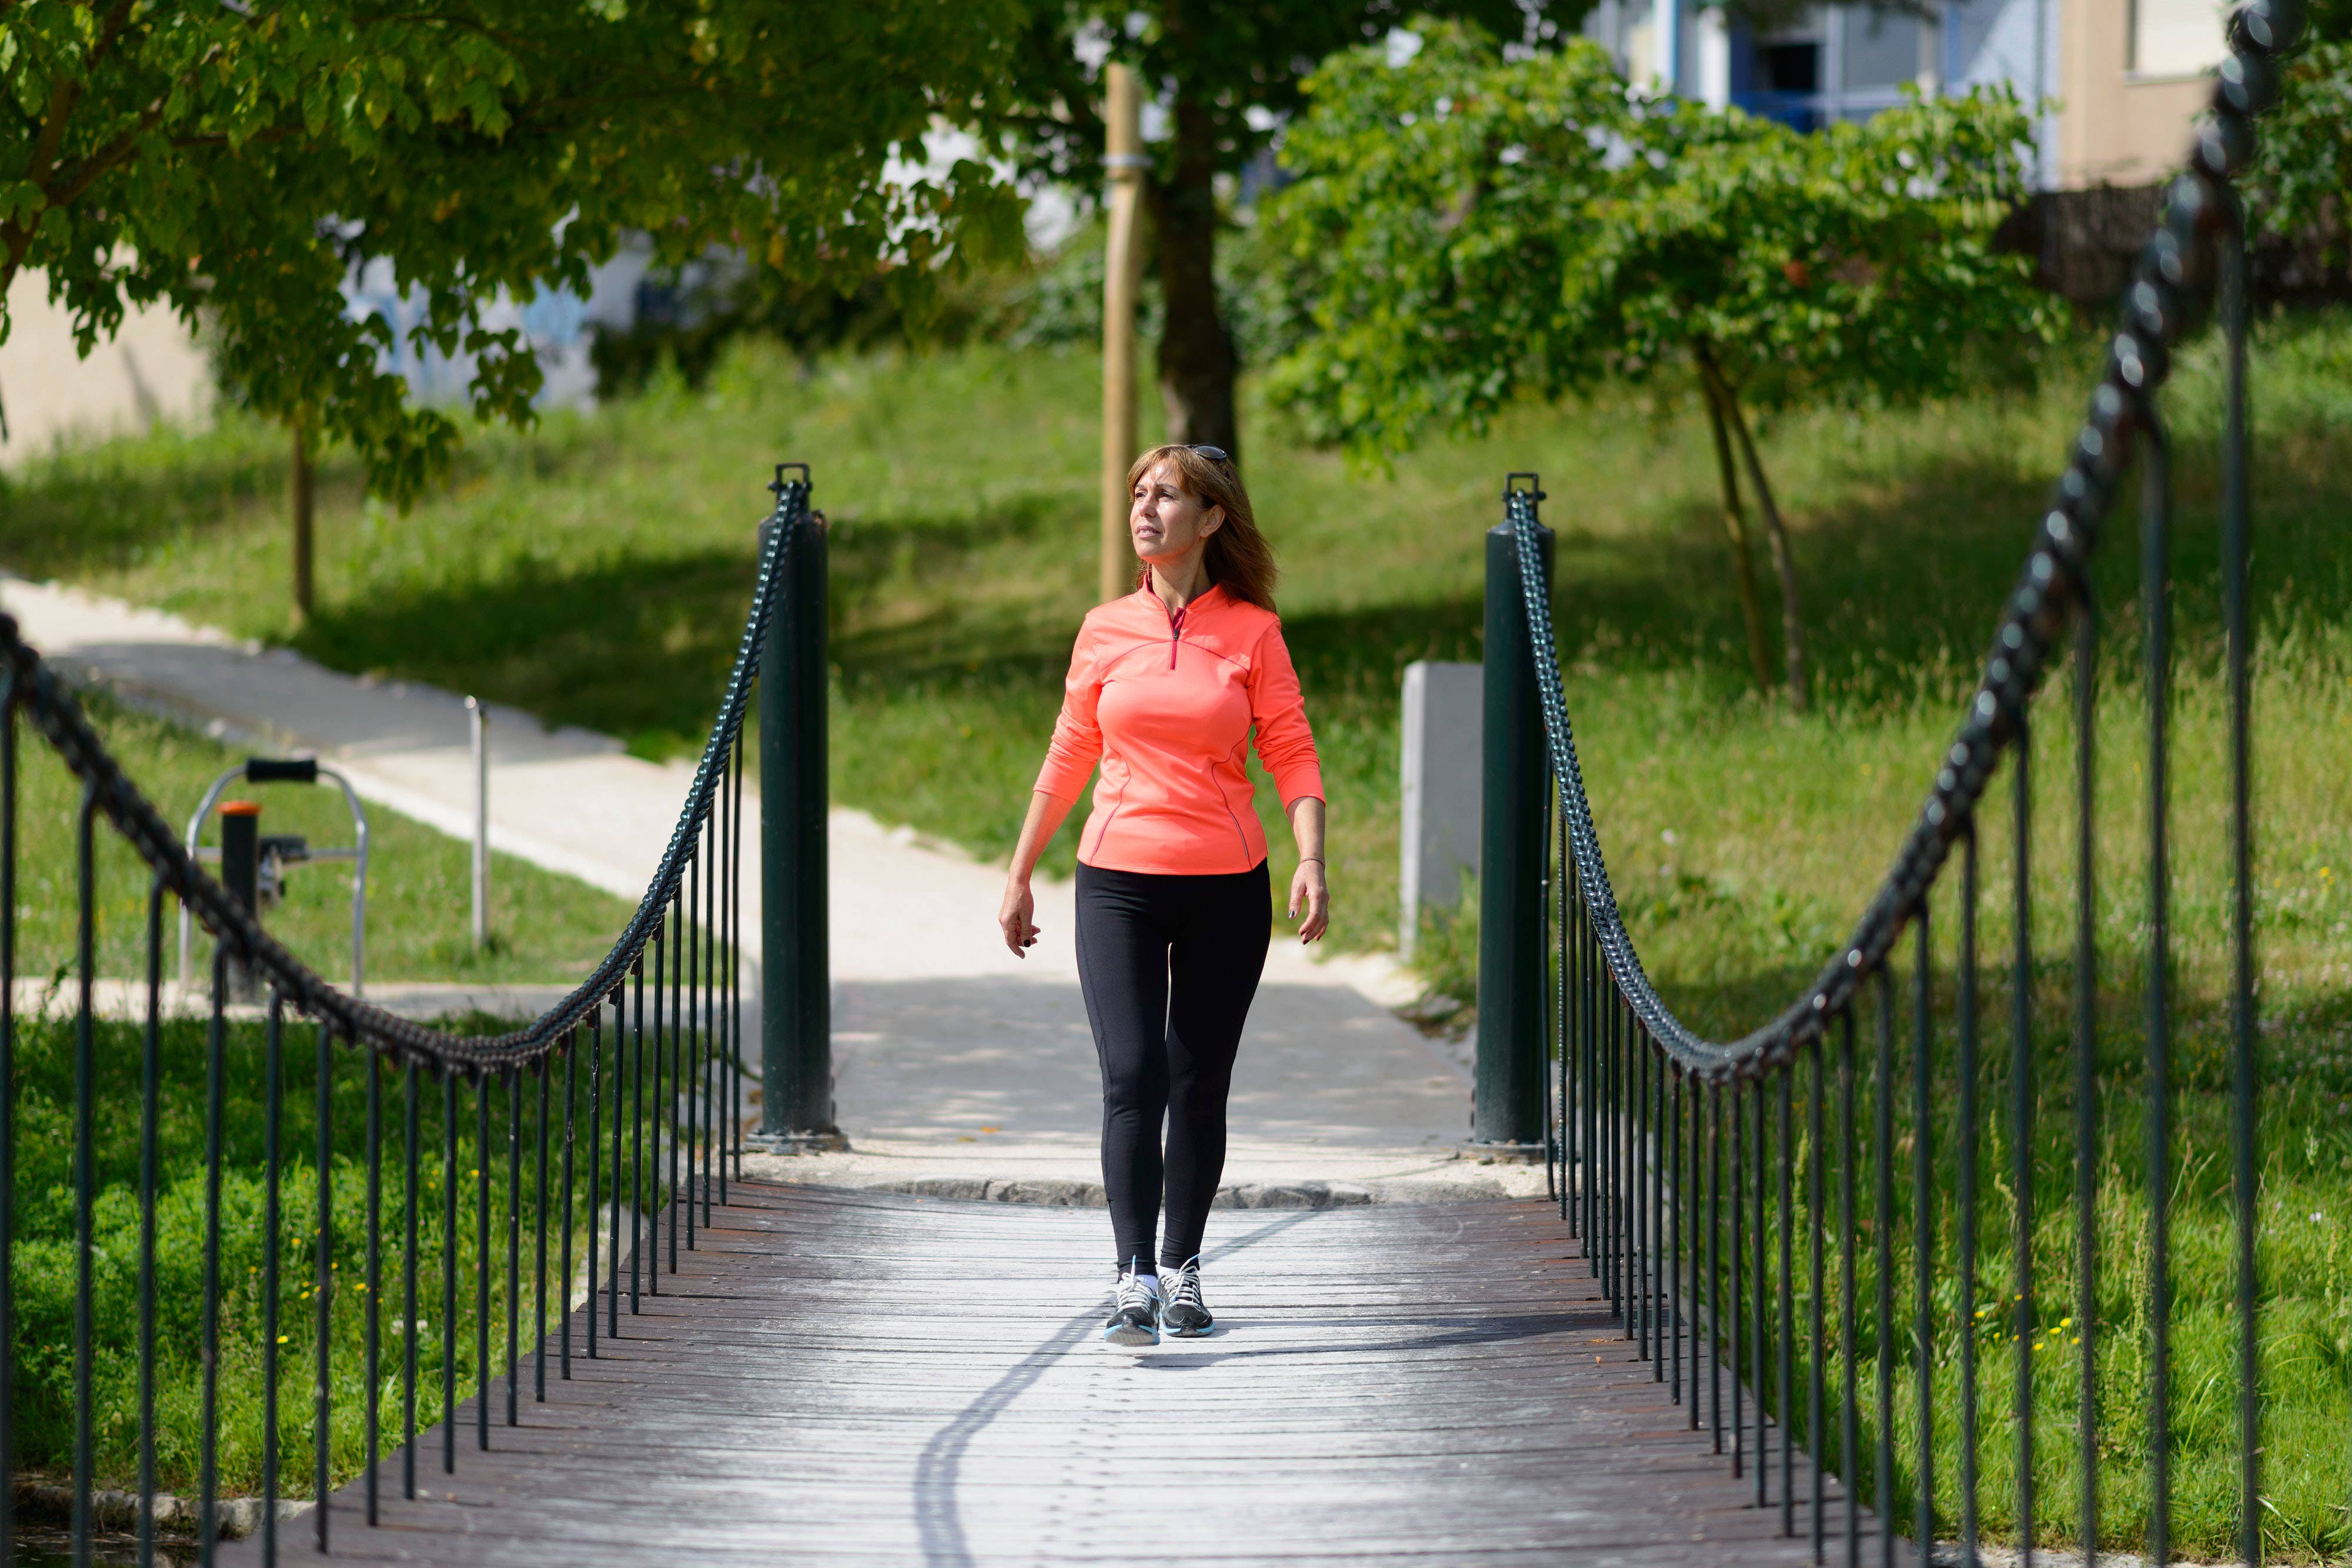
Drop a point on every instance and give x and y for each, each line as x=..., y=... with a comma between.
x=1123, y=164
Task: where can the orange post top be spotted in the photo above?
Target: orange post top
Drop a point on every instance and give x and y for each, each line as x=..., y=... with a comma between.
x=240, y=808
x=1166, y=702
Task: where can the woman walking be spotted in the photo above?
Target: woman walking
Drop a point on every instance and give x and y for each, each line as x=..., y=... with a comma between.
x=1174, y=909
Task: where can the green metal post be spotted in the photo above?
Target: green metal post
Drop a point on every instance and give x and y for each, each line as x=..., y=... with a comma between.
x=796, y=1007
x=1507, y=1114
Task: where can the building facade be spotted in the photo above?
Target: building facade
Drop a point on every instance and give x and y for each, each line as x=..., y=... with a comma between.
x=2117, y=82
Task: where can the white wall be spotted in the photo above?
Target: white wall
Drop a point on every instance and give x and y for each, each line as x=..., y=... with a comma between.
x=151, y=371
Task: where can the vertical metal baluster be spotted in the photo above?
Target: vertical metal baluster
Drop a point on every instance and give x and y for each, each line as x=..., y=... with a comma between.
x=709, y=1045
x=1613, y=1104
x=514, y=1236
x=1882, y=1221
x=1816, y=1427
x=1555, y=1187
x=482, y=1257
x=1738, y=1279
x=679, y=1193
x=2239, y=638
x=372, y=1348
x=1673, y=1312
x=1850, y=1425
x=1968, y=1070
x=216, y=1088
x=1566, y=875
x=2020, y=1115
x=637, y=1130
x=2086, y=1069
x=323, y=1282
x=151, y=1074
x=1923, y=1230
x=273, y=1100
x=597, y=1216
x=1596, y=1095
x=658, y=1111
x=1664, y=1231
x=539, y=1241
x=689, y=1032
x=1715, y=1262
x=735, y=957
x=2156, y=615
x=571, y=1101
x=595, y=1159
x=449, y=1270
x=1637, y=1287
x=9, y=1119
x=410, y=1199
x=1621, y=1204
x=1661, y=1250
x=411, y=1196
x=1675, y=1243
x=85, y=1168
x=1784, y=1151
x=1756, y=1288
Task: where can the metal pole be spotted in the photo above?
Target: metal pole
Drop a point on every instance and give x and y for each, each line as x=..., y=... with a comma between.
x=477, y=721
x=1508, y=1115
x=796, y=1005
x=240, y=831
x=1124, y=161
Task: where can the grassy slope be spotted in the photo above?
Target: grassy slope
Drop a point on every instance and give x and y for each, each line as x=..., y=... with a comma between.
x=595, y=570
x=545, y=927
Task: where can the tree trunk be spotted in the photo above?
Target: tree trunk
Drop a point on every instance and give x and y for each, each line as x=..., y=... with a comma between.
x=302, y=493
x=1734, y=523
x=1197, y=362
x=1784, y=560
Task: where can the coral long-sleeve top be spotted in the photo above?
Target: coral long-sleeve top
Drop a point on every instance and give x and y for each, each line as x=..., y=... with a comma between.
x=1167, y=701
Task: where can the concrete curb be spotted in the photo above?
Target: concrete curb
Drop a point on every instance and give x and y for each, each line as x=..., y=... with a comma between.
x=1313, y=1194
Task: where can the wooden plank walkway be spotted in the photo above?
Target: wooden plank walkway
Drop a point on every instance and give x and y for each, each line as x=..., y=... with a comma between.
x=861, y=1377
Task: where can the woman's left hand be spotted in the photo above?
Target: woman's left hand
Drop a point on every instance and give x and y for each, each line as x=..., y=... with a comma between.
x=1309, y=888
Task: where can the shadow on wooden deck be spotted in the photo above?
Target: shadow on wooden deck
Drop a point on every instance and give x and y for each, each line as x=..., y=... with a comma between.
x=869, y=1378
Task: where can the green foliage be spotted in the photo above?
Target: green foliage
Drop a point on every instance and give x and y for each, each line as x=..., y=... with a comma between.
x=2302, y=180
x=44, y=1272
x=1240, y=72
x=1474, y=229
x=239, y=162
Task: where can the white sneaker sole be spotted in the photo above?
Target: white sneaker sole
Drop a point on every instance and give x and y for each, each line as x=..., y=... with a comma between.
x=1129, y=1338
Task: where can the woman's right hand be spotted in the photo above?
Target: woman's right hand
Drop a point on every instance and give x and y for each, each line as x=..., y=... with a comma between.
x=1015, y=917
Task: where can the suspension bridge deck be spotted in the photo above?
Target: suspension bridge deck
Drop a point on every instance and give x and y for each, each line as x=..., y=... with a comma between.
x=838, y=1376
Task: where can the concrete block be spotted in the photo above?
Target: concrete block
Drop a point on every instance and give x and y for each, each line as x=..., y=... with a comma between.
x=1443, y=731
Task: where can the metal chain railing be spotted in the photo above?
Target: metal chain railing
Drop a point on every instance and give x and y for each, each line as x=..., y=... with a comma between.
x=1680, y=1157
x=666, y=1086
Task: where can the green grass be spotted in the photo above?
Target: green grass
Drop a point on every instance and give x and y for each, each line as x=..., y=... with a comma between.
x=546, y=928
x=45, y=1219
x=596, y=570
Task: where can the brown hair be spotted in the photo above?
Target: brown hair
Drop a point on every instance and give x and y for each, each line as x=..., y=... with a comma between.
x=1237, y=558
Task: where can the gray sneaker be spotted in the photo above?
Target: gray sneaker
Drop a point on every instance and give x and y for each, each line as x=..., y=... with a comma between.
x=1186, y=1315
x=1135, y=1312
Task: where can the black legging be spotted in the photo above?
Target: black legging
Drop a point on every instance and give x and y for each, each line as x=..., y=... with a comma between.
x=1168, y=965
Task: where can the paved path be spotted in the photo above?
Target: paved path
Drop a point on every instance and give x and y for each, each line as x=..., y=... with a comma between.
x=862, y=1378
x=959, y=1068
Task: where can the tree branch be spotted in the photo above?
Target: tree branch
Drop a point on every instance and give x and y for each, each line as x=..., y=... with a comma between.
x=1775, y=532
x=1735, y=522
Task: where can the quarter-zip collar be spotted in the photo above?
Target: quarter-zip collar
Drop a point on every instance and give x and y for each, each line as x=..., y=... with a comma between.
x=1176, y=617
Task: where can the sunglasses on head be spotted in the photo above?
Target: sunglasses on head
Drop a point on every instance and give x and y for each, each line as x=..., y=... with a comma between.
x=1213, y=453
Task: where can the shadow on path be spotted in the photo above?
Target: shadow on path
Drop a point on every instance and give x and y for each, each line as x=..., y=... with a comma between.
x=938, y=1520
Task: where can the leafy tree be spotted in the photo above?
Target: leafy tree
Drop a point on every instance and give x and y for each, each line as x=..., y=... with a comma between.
x=1474, y=230
x=1229, y=73
x=238, y=158
x=2301, y=183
